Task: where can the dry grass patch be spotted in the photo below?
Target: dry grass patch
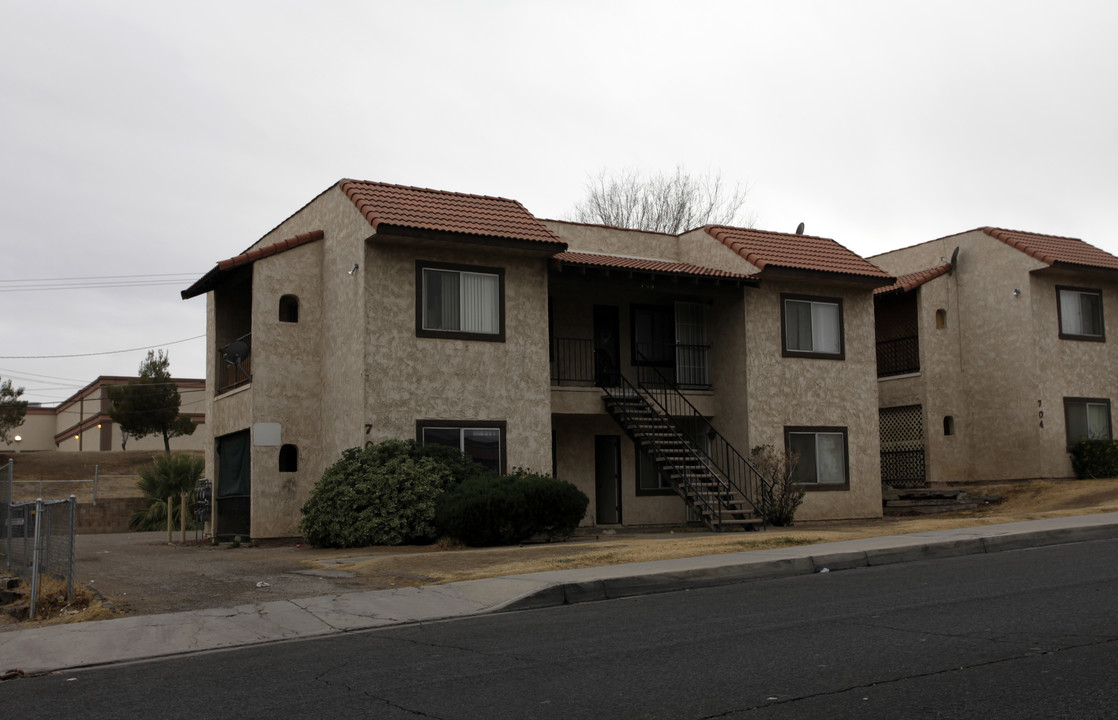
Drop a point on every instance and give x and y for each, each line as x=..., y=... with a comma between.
x=444, y=566
x=53, y=608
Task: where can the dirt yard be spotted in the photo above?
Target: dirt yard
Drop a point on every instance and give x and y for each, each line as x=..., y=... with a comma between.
x=139, y=573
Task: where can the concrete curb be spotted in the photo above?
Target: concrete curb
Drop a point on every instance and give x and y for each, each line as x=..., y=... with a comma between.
x=845, y=555
x=135, y=638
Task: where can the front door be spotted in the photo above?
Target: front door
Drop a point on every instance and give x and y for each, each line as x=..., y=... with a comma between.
x=607, y=479
x=607, y=346
x=233, y=492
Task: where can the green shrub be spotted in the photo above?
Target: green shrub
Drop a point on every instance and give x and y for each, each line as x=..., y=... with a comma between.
x=383, y=494
x=167, y=476
x=1095, y=459
x=508, y=509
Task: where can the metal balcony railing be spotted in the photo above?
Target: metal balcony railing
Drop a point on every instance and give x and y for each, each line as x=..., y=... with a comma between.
x=234, y=363
x=574, y=361
x=898, y=356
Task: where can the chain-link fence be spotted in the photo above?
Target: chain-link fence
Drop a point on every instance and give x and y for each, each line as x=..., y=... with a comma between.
x=38, y=538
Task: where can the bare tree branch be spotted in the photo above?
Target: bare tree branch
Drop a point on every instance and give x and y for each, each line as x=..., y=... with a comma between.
x=662, y=203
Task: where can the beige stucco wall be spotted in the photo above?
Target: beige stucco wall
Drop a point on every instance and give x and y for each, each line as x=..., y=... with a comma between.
x=616, y=241
x=37, y=432
x=574, y=440
x=697, y=247
x=300, y=369
x=1000, y=363
x=817, y=392
x=1068, y=368
x=410, y=378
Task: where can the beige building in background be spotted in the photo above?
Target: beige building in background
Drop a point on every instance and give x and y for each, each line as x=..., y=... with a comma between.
x=993, y=356
x=81, y=423
x=639, y=366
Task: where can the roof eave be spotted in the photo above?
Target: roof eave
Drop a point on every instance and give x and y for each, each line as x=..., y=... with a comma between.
x=1061, y=265
x=204, y=284
x=604, y=270
x=873, y=281
x=546, y=247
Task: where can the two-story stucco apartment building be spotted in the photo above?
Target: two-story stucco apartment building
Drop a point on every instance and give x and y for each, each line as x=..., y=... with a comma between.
x=994, y=356
x=81, y=422
x=641, y=367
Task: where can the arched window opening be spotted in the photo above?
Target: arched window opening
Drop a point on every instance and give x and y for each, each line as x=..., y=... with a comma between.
x=941, y=319
x=288, y=458
x=289, y=309
x=948, y=425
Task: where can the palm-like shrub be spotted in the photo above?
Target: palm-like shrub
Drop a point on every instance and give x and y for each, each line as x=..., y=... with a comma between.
x=167, y=476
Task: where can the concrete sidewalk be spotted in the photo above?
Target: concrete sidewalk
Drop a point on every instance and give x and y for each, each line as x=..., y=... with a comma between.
x=59, y=647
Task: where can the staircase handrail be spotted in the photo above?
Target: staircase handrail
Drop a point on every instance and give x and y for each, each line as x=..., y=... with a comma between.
x=765, y=487
x=699, y=497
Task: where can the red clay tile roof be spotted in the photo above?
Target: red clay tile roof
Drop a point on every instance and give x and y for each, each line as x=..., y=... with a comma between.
x=251, y=256
x=581, y=259
x=796, y=252
x=905, y=283
x=438, y=210
x=1055, y=250
x=208, y=281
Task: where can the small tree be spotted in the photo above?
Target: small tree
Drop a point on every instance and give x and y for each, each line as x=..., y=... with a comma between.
x=12, y=409
x=149, y=405
x=661, y=203
x=169, y=476
x=779, y=466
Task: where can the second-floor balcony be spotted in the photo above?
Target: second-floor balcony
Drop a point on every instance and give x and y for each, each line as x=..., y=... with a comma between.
x=577, y=362
x=898, y=356
x=234, y=364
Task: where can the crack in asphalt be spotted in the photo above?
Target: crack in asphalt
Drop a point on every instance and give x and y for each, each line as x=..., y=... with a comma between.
x=322, y=679
x=917, y=676
x=1002, y=639
x=473, y=651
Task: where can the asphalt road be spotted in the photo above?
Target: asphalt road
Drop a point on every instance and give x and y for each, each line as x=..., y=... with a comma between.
x=1019, y=634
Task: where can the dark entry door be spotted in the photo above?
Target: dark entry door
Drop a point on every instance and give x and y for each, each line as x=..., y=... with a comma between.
x=607, y=346
x=233, y=491
x=607, y=479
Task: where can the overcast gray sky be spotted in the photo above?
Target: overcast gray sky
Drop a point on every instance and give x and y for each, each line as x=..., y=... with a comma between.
x=152, y=139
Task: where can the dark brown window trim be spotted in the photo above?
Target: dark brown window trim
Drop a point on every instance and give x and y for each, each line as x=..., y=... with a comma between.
x=420, y=331
x=1098, y=401
x=785, y=352
x=640, y=491
x=818, y=486
x=1060, y=315
x=501, y=425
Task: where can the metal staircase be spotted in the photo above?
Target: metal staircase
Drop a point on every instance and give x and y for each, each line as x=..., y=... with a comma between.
x=721, y=486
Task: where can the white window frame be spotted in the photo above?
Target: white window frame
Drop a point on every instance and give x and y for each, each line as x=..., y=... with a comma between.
x=825, y=314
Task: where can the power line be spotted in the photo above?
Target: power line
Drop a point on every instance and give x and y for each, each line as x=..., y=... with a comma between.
x=96, y=281
x=107, y=352
x=94, y=286
x=29, y=375
x=102, y=277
